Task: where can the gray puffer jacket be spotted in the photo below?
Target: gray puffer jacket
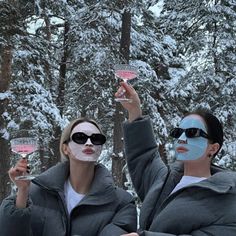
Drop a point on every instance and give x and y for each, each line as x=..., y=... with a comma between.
x=106, y=210
x=200, y=209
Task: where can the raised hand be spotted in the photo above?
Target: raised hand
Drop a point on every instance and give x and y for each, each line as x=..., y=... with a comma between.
x=20, y=168
x=133, y=107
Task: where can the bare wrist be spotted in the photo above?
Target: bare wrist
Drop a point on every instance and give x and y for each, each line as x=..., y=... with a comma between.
x=22, y=197
x=23, y=190
x=135, y=115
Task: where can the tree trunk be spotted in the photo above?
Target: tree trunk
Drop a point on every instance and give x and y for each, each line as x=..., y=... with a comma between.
x=50, y=155
x=54, y=145
x=61, y=88
x=125, y=35
x=118, y=159
x=5, y=76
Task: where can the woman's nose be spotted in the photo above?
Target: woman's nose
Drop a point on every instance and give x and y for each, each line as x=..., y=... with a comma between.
x=182, y=138
x=88, y=142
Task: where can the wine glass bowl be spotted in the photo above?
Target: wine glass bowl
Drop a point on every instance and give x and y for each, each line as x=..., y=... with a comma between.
x=24, y=146
x=125, y=72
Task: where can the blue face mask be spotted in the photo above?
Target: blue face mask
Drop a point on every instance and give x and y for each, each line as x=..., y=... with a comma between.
x=196, y=146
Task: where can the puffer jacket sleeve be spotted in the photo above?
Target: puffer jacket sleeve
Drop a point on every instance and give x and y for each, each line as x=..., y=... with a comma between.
x=147, y=233
x=143, y=159
x=14, y=221
x=216, y=230
x=125, y=218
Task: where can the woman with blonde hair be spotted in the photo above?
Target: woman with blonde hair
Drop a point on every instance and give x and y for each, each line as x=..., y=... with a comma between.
x=75, y=197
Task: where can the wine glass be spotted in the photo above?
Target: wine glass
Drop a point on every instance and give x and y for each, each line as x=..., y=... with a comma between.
x=24, y=146
x=125, y=72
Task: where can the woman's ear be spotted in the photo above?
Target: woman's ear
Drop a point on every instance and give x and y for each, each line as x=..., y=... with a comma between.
x=65, y=149
x=214, y=148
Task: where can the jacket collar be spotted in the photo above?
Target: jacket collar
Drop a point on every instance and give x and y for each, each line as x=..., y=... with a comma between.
x=102, y=189
x=54, y=178
x=221, y=181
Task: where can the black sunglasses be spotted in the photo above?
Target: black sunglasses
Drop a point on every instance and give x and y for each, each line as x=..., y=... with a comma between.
x=190, y=133
x=81, y=138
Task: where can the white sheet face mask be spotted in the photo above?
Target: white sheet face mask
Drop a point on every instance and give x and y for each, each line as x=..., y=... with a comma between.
x=78, y=151
x=196, y=146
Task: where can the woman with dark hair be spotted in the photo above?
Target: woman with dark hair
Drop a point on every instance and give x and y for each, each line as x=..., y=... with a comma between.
x=190, y=196
x=76, y=197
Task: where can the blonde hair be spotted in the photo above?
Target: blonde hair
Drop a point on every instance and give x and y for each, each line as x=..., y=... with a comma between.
x=65, y=136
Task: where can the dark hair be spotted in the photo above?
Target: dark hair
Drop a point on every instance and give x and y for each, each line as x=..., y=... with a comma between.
x=213, y=126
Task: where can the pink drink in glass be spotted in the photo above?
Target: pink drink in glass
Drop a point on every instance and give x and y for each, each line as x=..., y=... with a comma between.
x=125, y=72
x=23, y=149
x=24, y=146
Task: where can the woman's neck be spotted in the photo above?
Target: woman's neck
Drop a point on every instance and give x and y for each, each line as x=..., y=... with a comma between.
x=81, y=175
x=197, y=169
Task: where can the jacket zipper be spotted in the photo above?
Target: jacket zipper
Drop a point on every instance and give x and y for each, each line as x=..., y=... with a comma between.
x=61, y=202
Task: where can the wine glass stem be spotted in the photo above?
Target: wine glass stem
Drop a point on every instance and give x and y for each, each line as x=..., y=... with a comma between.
x=24, y=156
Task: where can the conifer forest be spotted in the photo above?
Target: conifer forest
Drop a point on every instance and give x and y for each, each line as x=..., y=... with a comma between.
x=57, y=60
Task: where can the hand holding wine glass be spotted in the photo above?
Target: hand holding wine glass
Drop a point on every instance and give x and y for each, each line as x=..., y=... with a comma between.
x=20, y=169
x=133, y=107
x=22, y=185
x=125, y=72
x=24, y=146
